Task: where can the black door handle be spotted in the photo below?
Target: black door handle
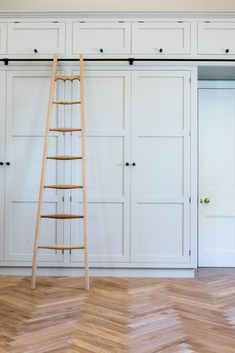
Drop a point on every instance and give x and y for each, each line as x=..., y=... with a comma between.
x=133, y=164
x=1, y=163
x=8, y=163
x=101, y=50
x=35, y=50
x=127, y=164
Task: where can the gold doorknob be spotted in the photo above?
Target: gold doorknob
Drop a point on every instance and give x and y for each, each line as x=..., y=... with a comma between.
x=205, y=200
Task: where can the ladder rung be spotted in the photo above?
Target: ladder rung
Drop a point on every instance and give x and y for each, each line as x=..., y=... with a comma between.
x=64, y=158
x=63, y=186
x=65, y=129
x=61, y=216
x=66, y=102
x=67, y=78
x=61, y=247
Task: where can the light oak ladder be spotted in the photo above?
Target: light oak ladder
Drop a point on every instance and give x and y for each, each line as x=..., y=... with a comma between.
x=48, y=129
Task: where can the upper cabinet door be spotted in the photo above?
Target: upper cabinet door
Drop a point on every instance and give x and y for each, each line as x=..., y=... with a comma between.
x=101, y=37
x=216, y=38
x=161, y=38
x=3, y=38
x=36, y=38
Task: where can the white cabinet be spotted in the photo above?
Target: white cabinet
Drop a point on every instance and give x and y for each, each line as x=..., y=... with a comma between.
x=27, y=97
x=160, y=185
x=161, y=38
x=2, y=158
x=107, y=106
x=138, y=167
x=3, y=38
x=216, y=37
x=94, y=37
x=35, y=38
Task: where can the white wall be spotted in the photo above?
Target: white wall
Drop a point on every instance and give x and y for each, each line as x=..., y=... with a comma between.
x=117, y=5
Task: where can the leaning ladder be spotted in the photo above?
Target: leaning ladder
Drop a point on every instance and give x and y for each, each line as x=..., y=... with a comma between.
x=48, y=129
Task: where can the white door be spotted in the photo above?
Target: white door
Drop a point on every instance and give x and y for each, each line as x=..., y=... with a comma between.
x=216, y=38
x=160, y=194
x=36, y=38
x=217, y=174
x=3, y=38
x=161, y=38
x=27, y=97
x=100, y=38
x=2, y=158
x=107, y=114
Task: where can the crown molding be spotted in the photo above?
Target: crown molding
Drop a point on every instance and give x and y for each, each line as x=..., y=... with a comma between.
x=112, y=14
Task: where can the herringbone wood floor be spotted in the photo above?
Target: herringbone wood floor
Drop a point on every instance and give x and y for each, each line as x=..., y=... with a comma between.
x=119, y=315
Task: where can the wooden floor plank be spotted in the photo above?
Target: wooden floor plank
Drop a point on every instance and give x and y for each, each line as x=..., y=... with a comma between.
x=119, y=315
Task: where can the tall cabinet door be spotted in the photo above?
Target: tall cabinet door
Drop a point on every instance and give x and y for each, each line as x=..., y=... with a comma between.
x=2, y=158
x=107, y=115
x=160, y=201
x=27, y=99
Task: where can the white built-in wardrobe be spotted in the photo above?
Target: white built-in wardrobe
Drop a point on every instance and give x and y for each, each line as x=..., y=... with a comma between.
x=141, y=128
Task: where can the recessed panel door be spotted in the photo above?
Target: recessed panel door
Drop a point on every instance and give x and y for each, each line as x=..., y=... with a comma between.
x=107, y=117
x=2, y=158
x=160, y=171
x=217, y=175
x=27, y=99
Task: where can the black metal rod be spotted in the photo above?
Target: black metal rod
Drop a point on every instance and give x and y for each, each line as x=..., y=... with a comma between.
x=129, y=60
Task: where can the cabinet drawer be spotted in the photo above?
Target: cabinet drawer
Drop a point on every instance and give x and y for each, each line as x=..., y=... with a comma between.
x=36, y=38
x=216, y=38
x=161, y=37
x=3, y=38
x=101, y=37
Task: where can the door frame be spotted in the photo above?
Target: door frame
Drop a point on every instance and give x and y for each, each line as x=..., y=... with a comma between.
x=205, y=84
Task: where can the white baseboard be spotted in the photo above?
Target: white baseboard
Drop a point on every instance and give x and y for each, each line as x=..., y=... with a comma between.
x=114, y=272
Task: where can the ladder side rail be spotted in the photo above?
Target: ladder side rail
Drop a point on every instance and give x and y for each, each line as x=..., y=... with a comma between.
x=83, y=141
x=43, y=172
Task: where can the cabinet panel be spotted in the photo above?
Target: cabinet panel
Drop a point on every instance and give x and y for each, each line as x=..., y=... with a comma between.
x=27, y=97
x=216, y=38
x=160, y=180
x=161, y=38
x=166, y=179
x=2, y=158
x=162, y=227
x=108, y=179
x=36, y=38
x=3, y=38
x=101, y=37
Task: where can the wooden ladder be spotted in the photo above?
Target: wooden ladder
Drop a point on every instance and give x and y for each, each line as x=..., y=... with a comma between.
x=48, y=129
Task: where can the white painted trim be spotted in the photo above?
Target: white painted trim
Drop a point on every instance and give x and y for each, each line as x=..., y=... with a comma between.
x=126, y=272
x=194, y=167
x=113, y=14
x=214, y=84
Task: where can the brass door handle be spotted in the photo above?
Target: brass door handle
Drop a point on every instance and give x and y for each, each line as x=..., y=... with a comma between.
x=205, y=200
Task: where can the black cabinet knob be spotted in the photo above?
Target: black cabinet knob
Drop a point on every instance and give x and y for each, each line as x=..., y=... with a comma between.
x=8, y=163
x=1, y=163
x=227, y=50
x=101, y=50
x=127, y=164
x=35, y=51
x=160, y=50
x=133, y=164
